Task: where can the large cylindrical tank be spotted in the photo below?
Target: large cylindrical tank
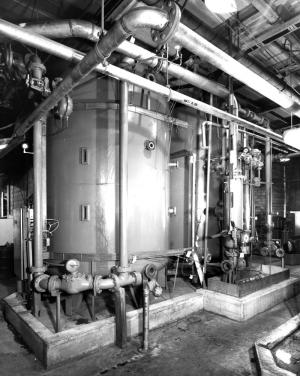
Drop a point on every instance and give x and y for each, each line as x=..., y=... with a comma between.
x=83, y=177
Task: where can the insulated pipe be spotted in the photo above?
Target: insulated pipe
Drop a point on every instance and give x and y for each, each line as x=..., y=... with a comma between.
x=123, y=175
x=215, y=56
x=38, y=163
x=209, y=123
x=70, y=54
x=65, y=29
x=87, y=30
x=268, y=174
x=259, y=119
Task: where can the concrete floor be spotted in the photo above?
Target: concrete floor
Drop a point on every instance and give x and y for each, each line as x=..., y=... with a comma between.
x=202, y=344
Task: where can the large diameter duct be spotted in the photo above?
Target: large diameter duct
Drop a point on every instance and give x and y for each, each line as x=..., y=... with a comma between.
x=87, y=30
x=215, y=56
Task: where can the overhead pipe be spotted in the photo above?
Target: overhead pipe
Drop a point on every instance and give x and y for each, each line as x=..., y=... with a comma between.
x=87, y=30
x=215, y=56
x=122, y=29
x=219, y=44
x=250, y=115
x=66, y=29
x=36, y=41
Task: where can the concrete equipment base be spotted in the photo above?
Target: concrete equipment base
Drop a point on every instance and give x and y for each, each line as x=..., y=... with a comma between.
x=244, y=308
x=54, y=348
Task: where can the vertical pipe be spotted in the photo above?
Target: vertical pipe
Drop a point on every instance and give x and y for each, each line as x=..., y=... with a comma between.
x=58, y=319
x=207, y=195
x=44, y=174
x=200, y=187
x=121, y=320
x=284, y=191
x=193, y=229
x=268, y=173
x=146, y=296
x=123, y=174
x=207, y=187
x=38, y=197
x=38, y=206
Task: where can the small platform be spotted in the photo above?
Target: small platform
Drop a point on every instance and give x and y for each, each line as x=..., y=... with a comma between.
x=244, y=308
x=55, y=348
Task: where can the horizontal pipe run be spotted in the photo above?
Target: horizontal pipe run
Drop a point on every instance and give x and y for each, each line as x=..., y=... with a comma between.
x=87, y=30
x=65, y=29
x=77, y=282
x=215, y=56
x=70, y=54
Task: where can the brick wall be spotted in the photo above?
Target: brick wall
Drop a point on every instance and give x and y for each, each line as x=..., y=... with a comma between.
x=22, y=190
x=277, y=197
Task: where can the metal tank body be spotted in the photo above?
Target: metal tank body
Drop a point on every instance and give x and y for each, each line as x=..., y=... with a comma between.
x=83, y=178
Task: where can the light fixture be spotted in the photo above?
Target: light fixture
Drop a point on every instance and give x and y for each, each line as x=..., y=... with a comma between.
x=221, y=6
x=284, y=159
x=25, y=147
x=4, y=143
x=291, y=137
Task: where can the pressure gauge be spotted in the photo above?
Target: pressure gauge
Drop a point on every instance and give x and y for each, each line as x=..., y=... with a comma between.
x=72, y=265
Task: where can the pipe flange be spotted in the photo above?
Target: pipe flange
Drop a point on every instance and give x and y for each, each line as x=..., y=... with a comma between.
x=52, y=284
x=37, y=281
x=150, y=271
x=116, y=281
x=138, y=278
x=162, y=36
x=226, y=266
x=158, y=67
x=34, y=269
x=97, y=281
x=280, y=252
